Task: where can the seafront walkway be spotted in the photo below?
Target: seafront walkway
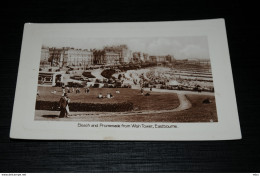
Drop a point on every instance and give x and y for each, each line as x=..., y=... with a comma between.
x=184, y=104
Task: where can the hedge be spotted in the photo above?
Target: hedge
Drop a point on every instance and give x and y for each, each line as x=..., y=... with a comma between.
x=105, y=107
x=108, y=73
x=88, y=75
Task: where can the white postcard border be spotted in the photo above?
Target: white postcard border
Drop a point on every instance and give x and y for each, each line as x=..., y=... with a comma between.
x=25, y=127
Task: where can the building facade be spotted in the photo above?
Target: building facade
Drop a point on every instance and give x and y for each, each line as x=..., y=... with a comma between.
x=146, y=57
x=66, y=56
x=45, y=54
x=111, y=58
x=109, y=55
x=56, y=57
x=136, y=57
x=77, y=57
x=161, y=59
x=152, y=59
x=121, y=50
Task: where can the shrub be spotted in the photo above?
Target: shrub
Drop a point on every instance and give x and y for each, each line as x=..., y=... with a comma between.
x=105, y=85
x=105, y=80
x=111, y=81
x=118, y=84
x=75, y=84
x=88, y=75
x=96, y=85
x=108, y=73
x=126, y=86
x=59, y=84
x=163, y=87
x=114, y=78
x=106, y=107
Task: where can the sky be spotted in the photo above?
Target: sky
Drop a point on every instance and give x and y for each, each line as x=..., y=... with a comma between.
x=180, y=47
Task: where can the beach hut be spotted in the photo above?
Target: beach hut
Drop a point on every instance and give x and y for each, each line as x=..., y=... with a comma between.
x=173, y=83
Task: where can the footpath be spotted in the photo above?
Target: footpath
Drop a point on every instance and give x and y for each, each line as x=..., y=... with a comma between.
x=43, y=114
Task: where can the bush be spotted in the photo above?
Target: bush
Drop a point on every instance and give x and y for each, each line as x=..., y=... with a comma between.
x=59, y=84
x=88, y=75
x=111, y=81
x=96, y=85
x=105, y=85
x=106, y=107
x=105, y=80
x=74, y=84
x=126, y=86
x=163, y=87
x=118, y=84
x=108, y=73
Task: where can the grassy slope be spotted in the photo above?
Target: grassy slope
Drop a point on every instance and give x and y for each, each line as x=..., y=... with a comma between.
x=156, y=101
x=199, y=112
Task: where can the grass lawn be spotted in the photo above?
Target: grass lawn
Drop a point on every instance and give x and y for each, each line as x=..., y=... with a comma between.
x=157, y=101
x=199, y=112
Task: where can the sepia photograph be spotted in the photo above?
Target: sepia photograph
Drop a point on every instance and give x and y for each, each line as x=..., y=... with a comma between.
x=155, y=79
x=125, y=81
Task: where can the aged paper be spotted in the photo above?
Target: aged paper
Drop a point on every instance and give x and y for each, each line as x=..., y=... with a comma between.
x=125, y=81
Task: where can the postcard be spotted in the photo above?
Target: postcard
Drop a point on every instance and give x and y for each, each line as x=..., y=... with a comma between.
x=157, y=81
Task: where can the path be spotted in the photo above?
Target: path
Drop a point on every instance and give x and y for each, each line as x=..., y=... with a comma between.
x=184, y=104
x=97, y=73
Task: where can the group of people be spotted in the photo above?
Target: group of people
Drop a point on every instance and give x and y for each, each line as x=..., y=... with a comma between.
x=71, y=90
x=109, y=95
x=147, y=93
x=65, y=100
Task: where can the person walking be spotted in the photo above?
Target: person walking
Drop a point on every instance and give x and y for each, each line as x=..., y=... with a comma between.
x=63, y=91
x=63, y=105
x=67, y=106
x=142, y=91
x=68, y=89
x=100, y=96
x=77, y=90
x=87, y=90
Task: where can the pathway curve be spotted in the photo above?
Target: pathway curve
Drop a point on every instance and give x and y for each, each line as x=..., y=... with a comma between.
x=184, y=104
x=97, y=73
